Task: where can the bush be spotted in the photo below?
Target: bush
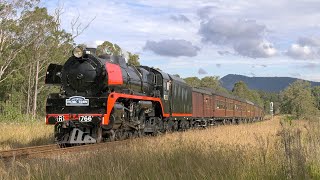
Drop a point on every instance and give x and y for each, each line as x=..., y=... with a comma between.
x=297, y=100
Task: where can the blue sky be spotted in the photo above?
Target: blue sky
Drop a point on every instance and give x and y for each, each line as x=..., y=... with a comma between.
x=248, y=37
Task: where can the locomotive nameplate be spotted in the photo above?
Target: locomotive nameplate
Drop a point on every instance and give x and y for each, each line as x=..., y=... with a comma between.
x=77, y=101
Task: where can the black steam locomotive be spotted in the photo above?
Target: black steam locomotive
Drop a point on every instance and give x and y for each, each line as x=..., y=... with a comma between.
x=104, y=98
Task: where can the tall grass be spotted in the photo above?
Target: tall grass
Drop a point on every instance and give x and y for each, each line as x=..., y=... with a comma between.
x=24, y=133
x=274, y=149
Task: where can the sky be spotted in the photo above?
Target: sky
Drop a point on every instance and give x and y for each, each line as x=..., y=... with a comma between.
x=206, y=37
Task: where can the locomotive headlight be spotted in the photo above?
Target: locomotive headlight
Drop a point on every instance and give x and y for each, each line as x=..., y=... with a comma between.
x=77, y=52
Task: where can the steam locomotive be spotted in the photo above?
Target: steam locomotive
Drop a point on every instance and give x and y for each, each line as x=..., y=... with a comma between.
x=102, y=98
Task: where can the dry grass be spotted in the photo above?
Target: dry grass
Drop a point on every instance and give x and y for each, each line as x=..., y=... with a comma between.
x=273, y=149
x=23, y=134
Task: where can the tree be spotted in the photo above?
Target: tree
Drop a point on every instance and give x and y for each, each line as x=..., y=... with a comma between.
x=30, y=39
x=241, y=90
x=14, y=36
x=210, y=82
x=297, y=100
x=113, y=48
x=255, y=97
x=268, y=97
x=50, y=44
x=316, y=94
x=47, y=46
x=193, y=81
x=133, y=59
x=40, y=42
x=213, y=83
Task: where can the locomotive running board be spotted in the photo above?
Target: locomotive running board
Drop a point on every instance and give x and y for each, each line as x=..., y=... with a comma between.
x=77, y=136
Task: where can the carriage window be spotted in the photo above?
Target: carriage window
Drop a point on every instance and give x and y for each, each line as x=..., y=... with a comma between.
x=221, y=105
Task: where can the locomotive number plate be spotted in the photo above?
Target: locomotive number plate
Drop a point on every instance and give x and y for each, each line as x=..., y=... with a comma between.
x=85, y=118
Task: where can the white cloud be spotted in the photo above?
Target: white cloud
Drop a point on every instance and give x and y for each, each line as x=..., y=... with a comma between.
x=298, y=51
x=306, y=48
x=255, y=48
x=172, y=47
x=245, y=36
x=126, y=23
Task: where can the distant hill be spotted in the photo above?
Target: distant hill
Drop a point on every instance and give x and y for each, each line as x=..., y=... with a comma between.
x=268, y=84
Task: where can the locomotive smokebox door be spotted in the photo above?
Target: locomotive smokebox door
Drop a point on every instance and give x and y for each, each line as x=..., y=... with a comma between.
x=53, y=75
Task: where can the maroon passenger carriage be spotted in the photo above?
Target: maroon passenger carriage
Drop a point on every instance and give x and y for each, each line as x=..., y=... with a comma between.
x=211, y=107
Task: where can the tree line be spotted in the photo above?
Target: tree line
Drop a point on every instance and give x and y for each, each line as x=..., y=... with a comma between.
x=30, y=39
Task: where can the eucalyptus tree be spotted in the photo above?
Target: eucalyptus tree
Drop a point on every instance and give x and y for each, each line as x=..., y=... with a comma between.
x=13, y=31
x=213, y=83
x=133, y=59
x=241, y=89
x=297, y=100
x=49, y=45
x=316, y=94
x=193, y=81
x=30, y=39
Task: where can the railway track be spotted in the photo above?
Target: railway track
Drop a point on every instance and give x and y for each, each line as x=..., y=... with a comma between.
x=55, y=149
x=22, y=152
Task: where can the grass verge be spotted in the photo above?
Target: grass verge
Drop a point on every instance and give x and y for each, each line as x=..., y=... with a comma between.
x=274, y=149
x=24, y=134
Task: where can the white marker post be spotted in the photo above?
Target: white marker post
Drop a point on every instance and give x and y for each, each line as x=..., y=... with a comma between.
x=271, y=109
